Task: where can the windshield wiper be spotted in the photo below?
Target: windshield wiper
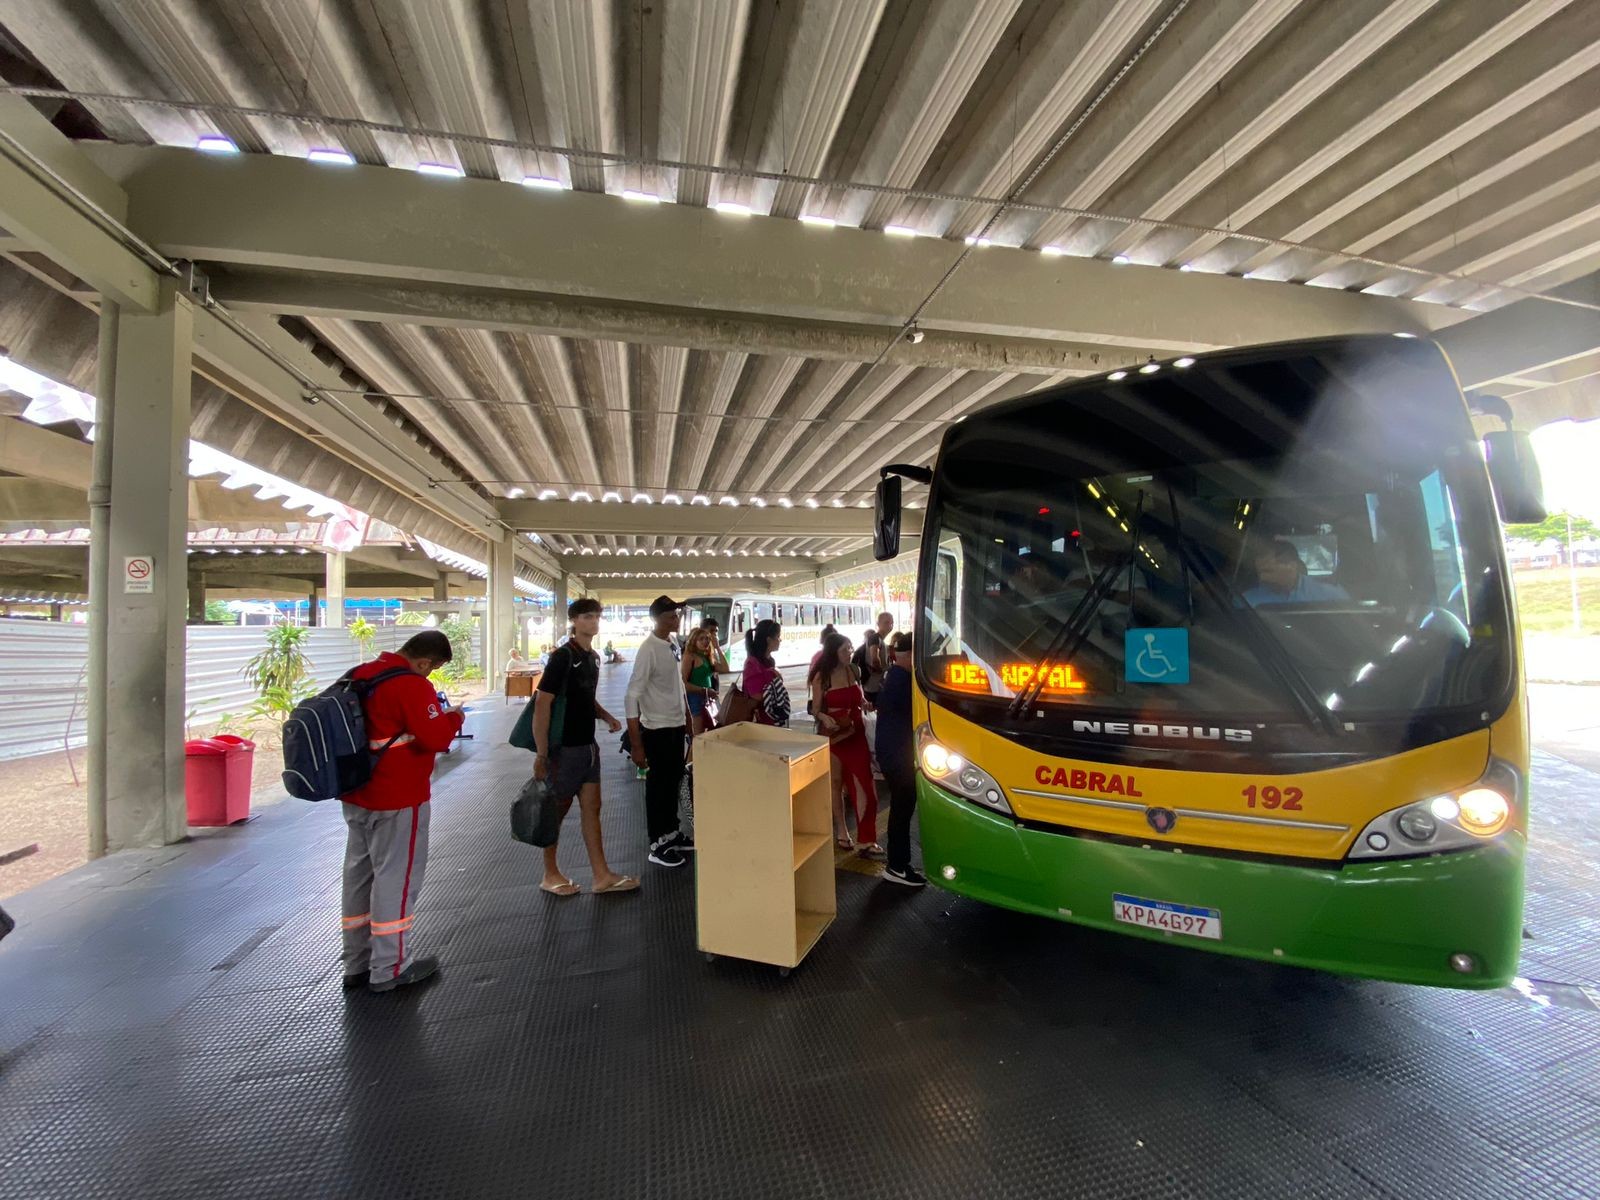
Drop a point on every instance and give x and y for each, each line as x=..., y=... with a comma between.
x=1071, y=635
x=1259, y=637
x=1075, y=629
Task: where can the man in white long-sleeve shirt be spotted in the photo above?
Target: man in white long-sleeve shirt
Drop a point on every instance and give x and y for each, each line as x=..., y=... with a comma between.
x=657, y=713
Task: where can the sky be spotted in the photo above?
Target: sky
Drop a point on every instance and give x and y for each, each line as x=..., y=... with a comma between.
x=1569, y=459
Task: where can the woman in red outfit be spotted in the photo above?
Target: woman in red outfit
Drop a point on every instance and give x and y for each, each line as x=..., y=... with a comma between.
x=837, y=701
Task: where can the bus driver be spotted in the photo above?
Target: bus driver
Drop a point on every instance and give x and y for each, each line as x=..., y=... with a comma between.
x=1282, y=578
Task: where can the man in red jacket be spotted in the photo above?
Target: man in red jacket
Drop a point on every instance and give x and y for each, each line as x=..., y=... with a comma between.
x=387, y=820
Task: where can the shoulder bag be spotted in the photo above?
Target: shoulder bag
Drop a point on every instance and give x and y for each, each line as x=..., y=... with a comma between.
x=521, y=735
x=737, y=708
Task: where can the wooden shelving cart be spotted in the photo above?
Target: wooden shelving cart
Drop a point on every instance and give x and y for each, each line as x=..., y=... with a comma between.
x=763, y=843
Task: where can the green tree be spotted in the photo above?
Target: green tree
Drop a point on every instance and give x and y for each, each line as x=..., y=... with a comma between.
x=411, y=618
x=218, y=613
x=459, y=631
x=280, y=675
x=282, y=665
x=363, y=632
x=1553, y=527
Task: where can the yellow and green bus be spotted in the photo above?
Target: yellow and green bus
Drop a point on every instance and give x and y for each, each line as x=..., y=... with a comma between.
x=1222, y=651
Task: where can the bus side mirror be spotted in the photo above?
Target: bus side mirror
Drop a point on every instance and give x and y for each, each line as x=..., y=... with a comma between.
x=886, y=519
x=1514, y=475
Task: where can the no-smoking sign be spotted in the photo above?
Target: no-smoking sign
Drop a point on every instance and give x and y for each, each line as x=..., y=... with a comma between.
x=138, y=574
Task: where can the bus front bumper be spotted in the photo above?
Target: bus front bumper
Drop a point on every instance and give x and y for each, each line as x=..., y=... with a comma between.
x=1400, y=920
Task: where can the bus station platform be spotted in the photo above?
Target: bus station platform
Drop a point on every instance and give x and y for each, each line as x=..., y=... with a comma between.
x=172, y=1025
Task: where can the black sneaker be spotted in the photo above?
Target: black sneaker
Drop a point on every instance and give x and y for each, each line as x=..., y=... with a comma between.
x=910, y=877
x=667, y=855
x=420, y=969
x=683, y=842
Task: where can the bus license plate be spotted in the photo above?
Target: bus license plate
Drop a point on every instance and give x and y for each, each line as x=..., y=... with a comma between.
x=1169, y=918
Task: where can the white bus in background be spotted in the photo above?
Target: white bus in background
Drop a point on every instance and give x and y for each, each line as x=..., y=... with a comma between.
x=802, y=618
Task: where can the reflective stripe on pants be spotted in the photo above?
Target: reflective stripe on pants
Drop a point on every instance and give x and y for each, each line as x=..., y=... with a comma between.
x=385, y=857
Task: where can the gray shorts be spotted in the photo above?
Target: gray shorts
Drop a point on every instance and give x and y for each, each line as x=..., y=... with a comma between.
x=572, y=767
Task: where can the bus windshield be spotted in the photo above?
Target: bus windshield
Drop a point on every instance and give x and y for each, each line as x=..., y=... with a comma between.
x=1305, y=537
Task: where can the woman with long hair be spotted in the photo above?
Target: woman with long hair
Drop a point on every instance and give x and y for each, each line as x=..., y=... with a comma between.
x=699, y=669
x=759, y=668
x=837, y=701
x=827, y=632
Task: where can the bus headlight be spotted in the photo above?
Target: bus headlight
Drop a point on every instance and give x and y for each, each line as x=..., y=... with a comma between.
x=937, y=761
x=1484, y=811
x=1460, y=820
x=947, y=769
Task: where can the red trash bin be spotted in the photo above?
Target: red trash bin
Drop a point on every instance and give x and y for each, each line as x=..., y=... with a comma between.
x=217, y=775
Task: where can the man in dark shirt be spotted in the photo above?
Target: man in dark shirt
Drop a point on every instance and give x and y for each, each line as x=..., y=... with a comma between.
x=897, y=759
x=875, y=643
x=567, y=754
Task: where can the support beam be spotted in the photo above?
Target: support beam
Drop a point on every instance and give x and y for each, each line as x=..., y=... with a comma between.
x=1525, y=336
x=473, y=235
x=396, y=560
x=327, y=296
x=642, y=589
x=139, y=729
x=498, y=627
x=333, y=587
x=604, y=562
x=25, y=583
x=26, y=449
x=36, y=211
x=245, y=584
x=569, y=517
x=858, y=559
x=27, y=502
x=197, y=597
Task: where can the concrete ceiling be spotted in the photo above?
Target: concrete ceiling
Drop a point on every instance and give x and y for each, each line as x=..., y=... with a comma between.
x=1399, y=164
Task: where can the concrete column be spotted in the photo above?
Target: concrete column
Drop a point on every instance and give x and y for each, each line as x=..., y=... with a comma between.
x=55, y=612
x=136, y=734
x=499, y=624
x=558, y=611
x=197, y=597
x=333, y=615
x=441, y=590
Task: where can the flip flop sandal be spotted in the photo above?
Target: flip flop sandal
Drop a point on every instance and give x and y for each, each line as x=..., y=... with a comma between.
x=561, y=889
x=624, y=883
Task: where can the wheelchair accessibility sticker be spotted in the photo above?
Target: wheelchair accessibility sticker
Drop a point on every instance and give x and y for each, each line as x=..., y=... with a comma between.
x=1157, y=655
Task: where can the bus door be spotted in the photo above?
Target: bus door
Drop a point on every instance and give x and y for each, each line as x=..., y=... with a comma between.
x=738, y=622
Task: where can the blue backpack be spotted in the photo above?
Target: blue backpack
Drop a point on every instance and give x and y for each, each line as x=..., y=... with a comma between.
x=325, y=748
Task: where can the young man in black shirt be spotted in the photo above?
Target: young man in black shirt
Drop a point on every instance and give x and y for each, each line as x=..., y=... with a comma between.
x=568, y=755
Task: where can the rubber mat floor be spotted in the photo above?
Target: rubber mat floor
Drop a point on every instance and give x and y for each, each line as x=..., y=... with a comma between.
x=172, y=1025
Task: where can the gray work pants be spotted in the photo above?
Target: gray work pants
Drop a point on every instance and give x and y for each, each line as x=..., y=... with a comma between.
x=384, y=857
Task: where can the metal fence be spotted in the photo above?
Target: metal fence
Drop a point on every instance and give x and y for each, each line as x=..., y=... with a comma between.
x=43, y=676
